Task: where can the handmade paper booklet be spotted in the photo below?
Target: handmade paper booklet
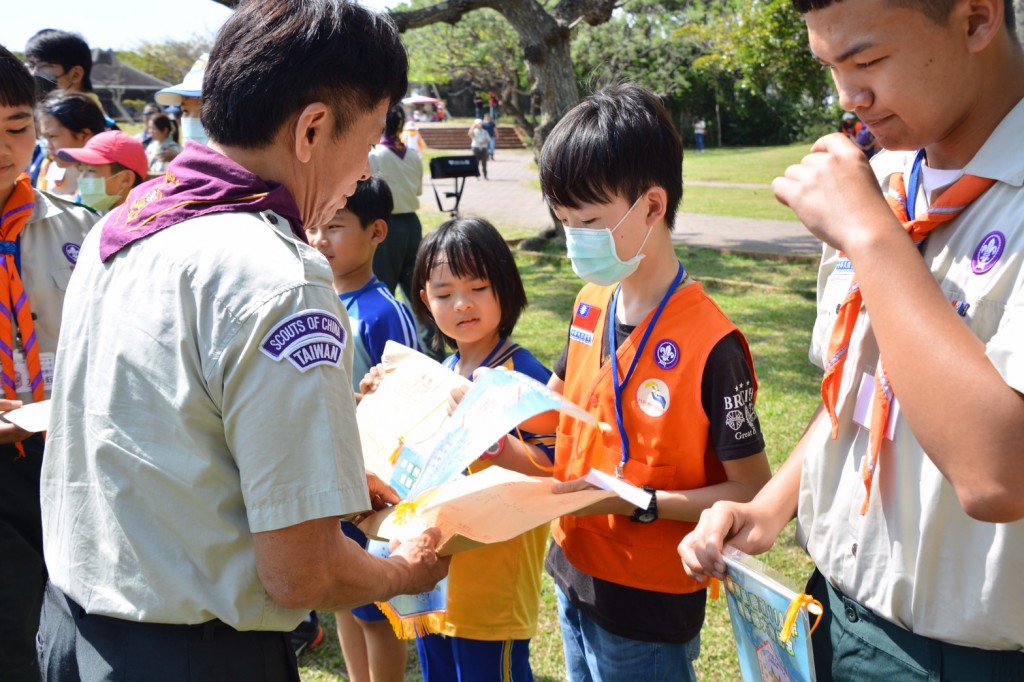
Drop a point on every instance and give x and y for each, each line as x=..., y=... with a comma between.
x=769, y=621
x=410, y=440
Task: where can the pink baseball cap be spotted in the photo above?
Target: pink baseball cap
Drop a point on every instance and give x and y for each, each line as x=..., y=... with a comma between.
x=112, y=146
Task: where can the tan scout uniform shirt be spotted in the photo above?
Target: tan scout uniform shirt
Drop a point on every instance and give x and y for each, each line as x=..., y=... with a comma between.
x=50, y=243
x=206, y=397
x=916, y=558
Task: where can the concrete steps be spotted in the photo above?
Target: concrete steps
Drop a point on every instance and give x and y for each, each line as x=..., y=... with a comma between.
x=455, y=136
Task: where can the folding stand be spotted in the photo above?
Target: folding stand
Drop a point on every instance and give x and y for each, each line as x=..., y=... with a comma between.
x=457, y=168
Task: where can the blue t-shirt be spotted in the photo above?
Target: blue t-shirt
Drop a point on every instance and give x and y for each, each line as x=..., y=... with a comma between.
x=517, y=358
x=376, y=317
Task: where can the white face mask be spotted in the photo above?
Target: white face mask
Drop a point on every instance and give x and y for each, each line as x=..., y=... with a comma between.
x=94, y=193
x=593, y=255
x=192, y=129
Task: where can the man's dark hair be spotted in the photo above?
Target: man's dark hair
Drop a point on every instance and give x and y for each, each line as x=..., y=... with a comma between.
x=75, y=111
x=371, y=201
x=17, y=87
x=395, y=120
x=61, y=47
x=936, y=10
x=619, y=141
x=471, y=247
x=273, y=58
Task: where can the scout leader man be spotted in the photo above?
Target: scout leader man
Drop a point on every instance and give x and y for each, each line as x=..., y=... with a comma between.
x=203, y=437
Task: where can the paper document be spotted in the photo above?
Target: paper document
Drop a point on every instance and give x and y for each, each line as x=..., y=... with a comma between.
x=624, y=489
x=34, y=417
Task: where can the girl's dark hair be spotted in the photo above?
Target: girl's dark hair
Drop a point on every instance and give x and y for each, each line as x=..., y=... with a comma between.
x=163, y=123
x=66, y=49
x=394, y=121
x=619, y=141
x=75, y=111
x=17, y=87
x=273, y=58
x=471, y=247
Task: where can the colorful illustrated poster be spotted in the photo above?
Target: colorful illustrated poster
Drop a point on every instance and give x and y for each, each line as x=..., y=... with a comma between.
x=758, y=600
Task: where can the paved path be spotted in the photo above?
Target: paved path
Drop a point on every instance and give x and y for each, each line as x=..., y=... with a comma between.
x=511, y=199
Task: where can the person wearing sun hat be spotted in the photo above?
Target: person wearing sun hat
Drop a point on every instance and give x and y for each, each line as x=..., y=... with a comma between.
x=187, y=94
x=111, y=164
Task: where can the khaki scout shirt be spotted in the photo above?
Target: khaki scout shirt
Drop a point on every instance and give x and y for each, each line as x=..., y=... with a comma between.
x=205, y=397
x=50, y=243
x=916, y=558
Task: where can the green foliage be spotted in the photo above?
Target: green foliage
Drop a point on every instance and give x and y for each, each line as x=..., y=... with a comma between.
x=766, y=81
x=169, y=61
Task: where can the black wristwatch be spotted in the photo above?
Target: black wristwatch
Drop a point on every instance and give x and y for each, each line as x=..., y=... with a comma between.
x=650, y=514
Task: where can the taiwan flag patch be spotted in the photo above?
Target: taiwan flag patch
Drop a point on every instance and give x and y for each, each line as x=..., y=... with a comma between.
x=584, y=322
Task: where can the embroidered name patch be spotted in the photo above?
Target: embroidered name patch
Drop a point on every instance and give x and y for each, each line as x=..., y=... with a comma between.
x=652, y=397
x=307, y=339
x=584, y=322
x=666, y=354
x=988, y=252
x=71, y=250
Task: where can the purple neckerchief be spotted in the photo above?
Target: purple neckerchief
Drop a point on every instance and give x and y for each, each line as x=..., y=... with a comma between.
x=199, y=181
x=394, y=144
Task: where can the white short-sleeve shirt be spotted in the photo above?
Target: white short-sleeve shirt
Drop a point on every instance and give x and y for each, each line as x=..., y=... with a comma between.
x=202, y=395
x=916, y=558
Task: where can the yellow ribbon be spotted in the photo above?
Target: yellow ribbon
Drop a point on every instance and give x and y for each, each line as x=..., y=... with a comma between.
x=799, y=602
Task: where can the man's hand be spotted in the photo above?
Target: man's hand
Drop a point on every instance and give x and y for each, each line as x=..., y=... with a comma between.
x=418, y=556
x=381, y=494
x=834, y=193
x=9, y=433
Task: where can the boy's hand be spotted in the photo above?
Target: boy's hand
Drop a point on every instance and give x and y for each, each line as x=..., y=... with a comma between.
x=834, y=193
x=740, y=525
x=613, y=505
x=9, y=433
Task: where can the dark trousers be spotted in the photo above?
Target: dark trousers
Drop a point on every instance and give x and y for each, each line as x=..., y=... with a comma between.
x=22, y=573
x=77, y=646
x=395, y=256
x=852, y=643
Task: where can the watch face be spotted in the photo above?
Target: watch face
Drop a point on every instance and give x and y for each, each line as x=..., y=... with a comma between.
x=646, y=517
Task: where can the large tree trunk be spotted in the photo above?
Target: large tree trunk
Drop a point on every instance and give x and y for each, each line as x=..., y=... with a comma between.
x=543, y=36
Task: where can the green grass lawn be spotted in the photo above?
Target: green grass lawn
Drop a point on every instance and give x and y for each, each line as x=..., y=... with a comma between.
x=741, y=164
x=773, y=303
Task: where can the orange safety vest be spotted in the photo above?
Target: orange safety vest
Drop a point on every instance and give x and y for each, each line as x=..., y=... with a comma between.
x=667, y=427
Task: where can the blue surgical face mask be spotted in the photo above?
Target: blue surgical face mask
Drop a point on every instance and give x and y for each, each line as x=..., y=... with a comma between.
x=192, y=129
x=593, y=255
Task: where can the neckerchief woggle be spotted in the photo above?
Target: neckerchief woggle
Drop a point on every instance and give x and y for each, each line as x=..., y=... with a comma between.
x=620, y=387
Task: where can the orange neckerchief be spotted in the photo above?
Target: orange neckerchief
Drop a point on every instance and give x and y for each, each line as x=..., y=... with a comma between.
x=949, y=205
x=15, y=215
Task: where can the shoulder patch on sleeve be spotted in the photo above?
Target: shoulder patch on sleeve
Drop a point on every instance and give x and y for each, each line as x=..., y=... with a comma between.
x=307, y=339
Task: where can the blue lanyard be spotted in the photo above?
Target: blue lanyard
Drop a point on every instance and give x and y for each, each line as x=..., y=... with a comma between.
x=915, y=183
x=620, y=387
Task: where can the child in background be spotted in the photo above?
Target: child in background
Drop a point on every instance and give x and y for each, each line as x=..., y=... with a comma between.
x=66, y=119
x=109, y=165
x=348, y=241
x=469, y=285
x=649, y=353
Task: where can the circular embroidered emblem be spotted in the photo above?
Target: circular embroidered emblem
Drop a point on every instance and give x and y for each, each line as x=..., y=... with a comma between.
x=989, y=250
x=666, y=354
x=70, y=250
x=652, y=397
